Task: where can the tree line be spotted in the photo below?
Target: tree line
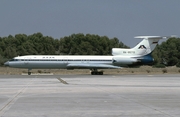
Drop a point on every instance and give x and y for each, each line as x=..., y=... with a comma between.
x=165, y=54
x=37, y=44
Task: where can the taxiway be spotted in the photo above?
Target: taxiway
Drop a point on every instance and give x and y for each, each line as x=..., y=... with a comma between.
x=90, y=96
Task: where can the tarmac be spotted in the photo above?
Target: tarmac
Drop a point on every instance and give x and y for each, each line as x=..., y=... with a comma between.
x=90, y=95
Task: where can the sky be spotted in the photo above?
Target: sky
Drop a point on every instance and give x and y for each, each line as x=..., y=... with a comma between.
x=123, y=19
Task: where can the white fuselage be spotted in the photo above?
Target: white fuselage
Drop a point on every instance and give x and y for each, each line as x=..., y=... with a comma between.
x=69, y=62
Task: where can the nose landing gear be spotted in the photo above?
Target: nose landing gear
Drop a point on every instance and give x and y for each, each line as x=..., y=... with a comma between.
x=29, y=71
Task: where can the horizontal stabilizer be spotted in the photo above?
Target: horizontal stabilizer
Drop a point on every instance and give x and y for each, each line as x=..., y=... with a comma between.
x=151, y=37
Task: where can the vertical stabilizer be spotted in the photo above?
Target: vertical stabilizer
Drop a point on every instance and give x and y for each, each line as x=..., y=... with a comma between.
x=147, y=45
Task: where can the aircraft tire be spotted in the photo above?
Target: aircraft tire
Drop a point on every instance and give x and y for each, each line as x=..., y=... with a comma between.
x=29, y=73
x=100, y=73
x=92, y=73
x=96, y=73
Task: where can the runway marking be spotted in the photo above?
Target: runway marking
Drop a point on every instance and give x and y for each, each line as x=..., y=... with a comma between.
x=11, y=101
x=62, y=81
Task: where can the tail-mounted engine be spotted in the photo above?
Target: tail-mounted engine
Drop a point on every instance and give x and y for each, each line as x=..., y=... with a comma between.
x=120, y=60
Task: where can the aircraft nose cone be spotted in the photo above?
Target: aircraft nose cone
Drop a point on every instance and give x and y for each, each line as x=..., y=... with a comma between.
x=6, y=63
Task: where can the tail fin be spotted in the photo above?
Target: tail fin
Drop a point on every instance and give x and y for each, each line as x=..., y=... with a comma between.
x=147, y=45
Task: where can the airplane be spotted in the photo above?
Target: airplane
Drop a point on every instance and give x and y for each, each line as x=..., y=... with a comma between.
x=121, y=57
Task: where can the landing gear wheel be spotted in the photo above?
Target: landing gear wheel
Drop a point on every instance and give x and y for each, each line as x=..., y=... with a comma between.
x=29, y=73
x=100, y=73
x=96, y=72
x=92, y=73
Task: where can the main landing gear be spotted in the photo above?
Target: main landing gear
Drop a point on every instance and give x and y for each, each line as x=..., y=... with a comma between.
x=96, y=72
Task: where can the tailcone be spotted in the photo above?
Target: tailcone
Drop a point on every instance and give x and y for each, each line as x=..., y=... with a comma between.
x=147, y=59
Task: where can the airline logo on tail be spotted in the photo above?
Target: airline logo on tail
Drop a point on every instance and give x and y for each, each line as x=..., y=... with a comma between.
x=142, y=47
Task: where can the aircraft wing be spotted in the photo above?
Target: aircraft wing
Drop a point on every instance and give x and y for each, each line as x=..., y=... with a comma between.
x=92, y=66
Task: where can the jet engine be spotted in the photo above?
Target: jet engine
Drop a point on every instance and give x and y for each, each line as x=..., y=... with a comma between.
x=120, y=60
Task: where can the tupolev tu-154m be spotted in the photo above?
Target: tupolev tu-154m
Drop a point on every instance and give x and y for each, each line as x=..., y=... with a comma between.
x=121, y=57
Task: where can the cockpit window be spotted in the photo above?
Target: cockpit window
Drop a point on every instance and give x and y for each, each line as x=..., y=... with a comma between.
x=12, y=60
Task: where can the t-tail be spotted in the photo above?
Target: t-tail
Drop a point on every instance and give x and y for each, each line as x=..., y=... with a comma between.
x=145, y=47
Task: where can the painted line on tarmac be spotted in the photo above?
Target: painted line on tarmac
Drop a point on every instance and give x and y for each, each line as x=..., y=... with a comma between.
x=62, y=81
x=12, y=100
